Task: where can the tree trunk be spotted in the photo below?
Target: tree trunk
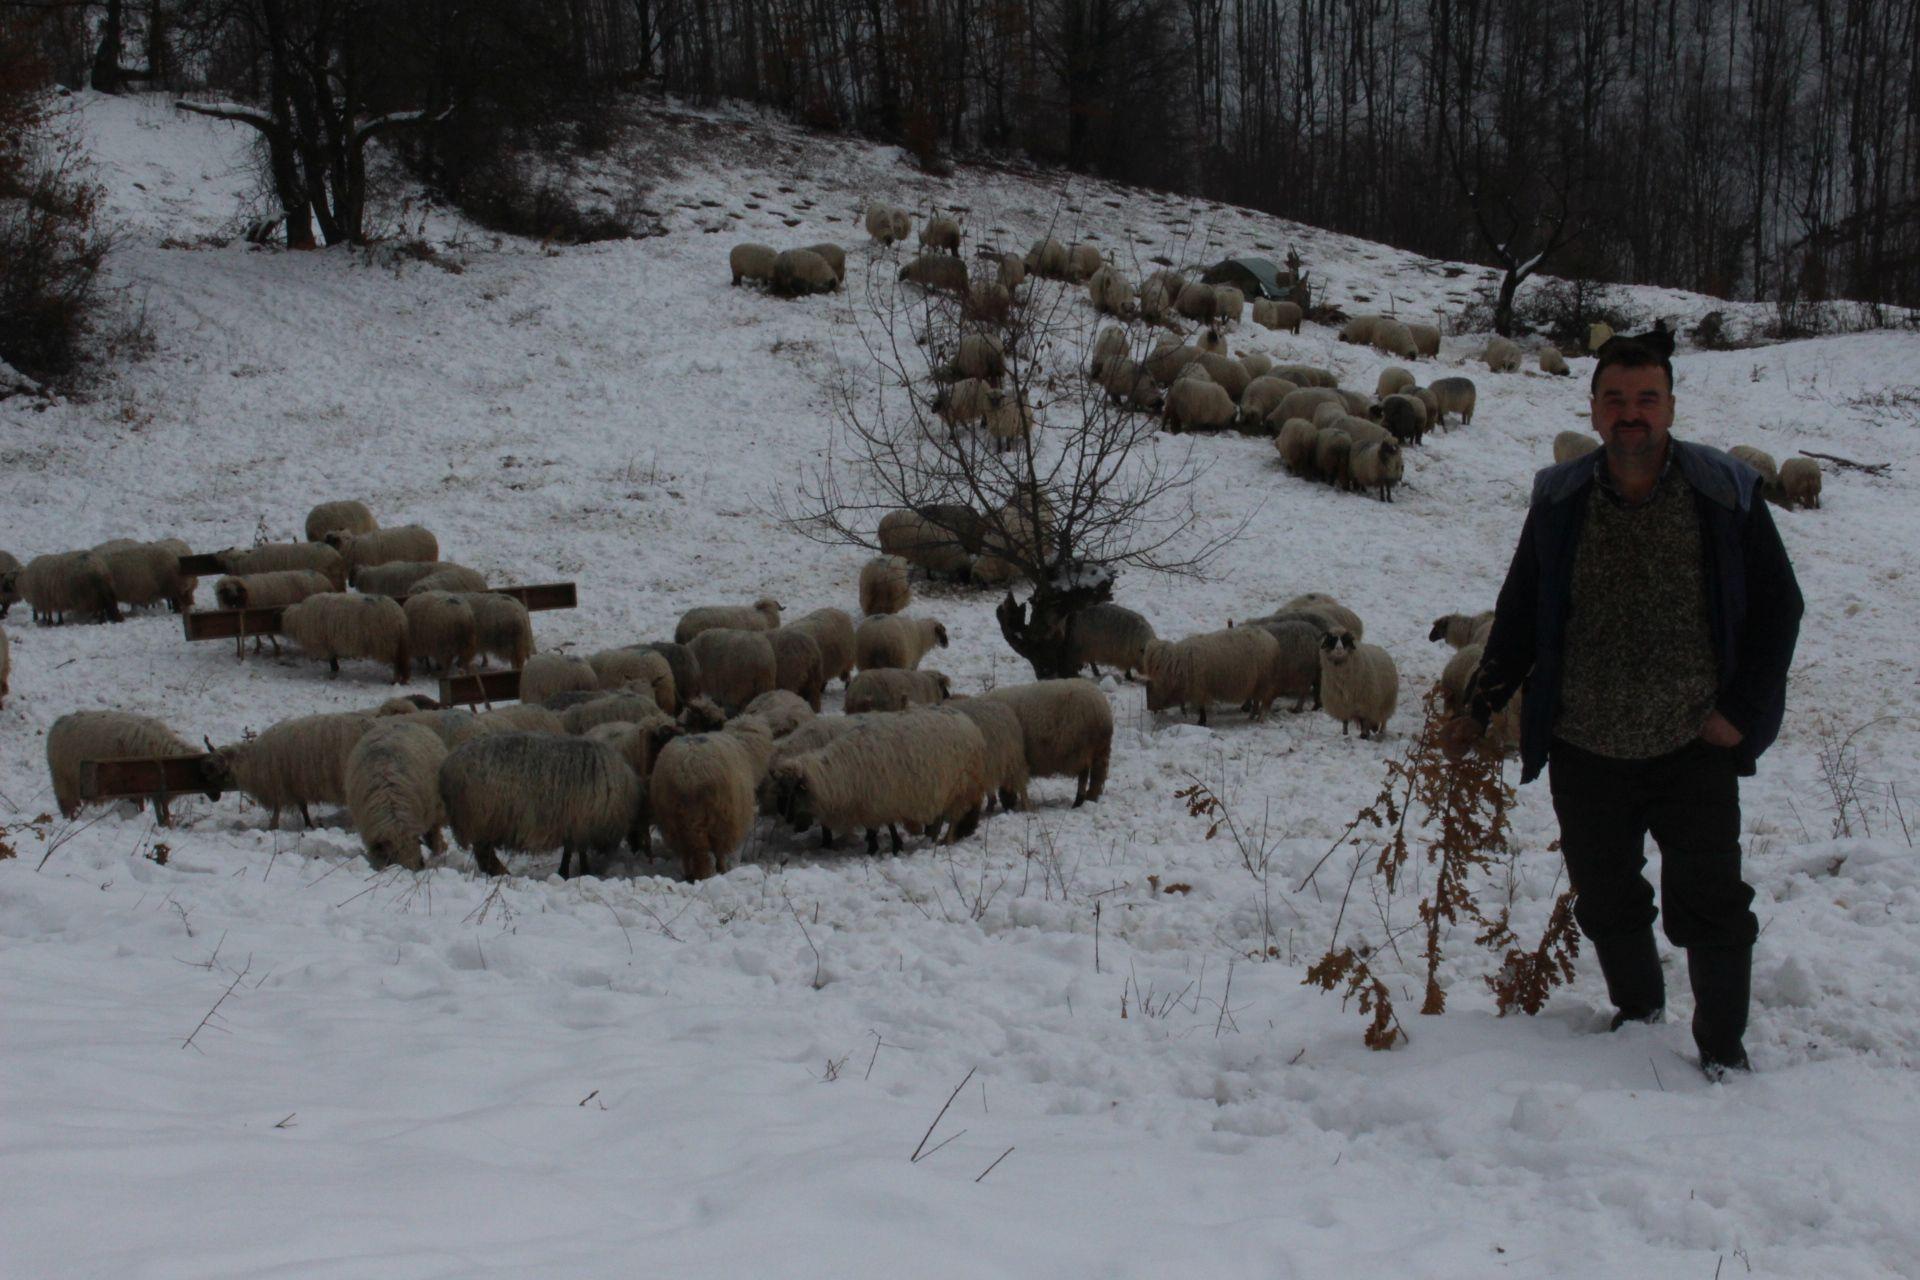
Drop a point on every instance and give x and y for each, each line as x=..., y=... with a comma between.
x=1041, y=629
x=106, y=58
x=1503, y=308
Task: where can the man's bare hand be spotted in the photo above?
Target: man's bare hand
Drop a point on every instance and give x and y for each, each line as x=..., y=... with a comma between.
x=1459, y=736
x=1718, y=731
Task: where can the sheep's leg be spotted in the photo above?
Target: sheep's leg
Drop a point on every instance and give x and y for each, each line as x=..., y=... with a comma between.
x=1095, y=668
x=566, y=861
x=333, y=664
x=893, y=833
x=436, y=842
x=873, y=841
x=1080, y=788
x=1203, y=716
x=488, y=861
x=826, y=837
x=160, y=814
x=968, y=824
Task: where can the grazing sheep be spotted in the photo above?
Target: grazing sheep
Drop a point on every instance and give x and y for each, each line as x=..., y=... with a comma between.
x=273, y=590
x=1297, y=444
x=762, y=615
x=966, y=402
x=1012, y=270
x=923, y=769
x=1169, y=358
x=891, y=640
x=535, y=793
x=1392, y=338
x=1551, y=361
x=1358, y=403
x=1359, y=330
x=1277, y=315
x=1228, y=372
x=293, y=764
x=797, y=272
x=545, y=674
x=980, y=355
x=798, y=665
x=752, y=262
x=989, y=302
x=1392, y=379
x=835, y=257
x=1082, y=261
x=363, y=551
x=641, y=670
x=1197, y=302
x=1404, y=417
x=783, y=710
x=1456, y=395
x=346, y=516
x=80, y=736
x=941, y=233
x=396, y=578
x=1427, y=400
x=1800, y=483
x=935, y=272
x=1256, y=364
x=1426, y=338
x=883, y=225
x=999, y=725
x=1296, y=664
x=1109, y=345
x=1358, y=682
x=274, y=556
x=1193, y=405
x=336, y=625
x=1156, y=297
x=1009, y=418
x=1306, y=375
x=1324, y=606
x=1758, y=459
x=502, y=627
x=1502, y=355
x=520, y=718
x=146, y=573
x=1461, y=629
x=832, y=630
x=1569, y=445
x=452, y=725
x=393, y=793
x=1048, y=258
x=1229, y=303
x=1456, y=678
x=1332, y=455
x=9, y=582
x=622, y=707
x=1234, y=666
x=1329, y=413
x=440, y=629
x=1128, y=383
x=893, y=689
x=1306, y=401
x=883, y=585
x=1261, y=397
x=1067, y=729
x=76, y=582
x=447, y=576
x=702, y=793
x=1111, y=634
x=941, y=539
x=735, y=666
x=1377, y=468
x=1361, y=431
x=1111, y=291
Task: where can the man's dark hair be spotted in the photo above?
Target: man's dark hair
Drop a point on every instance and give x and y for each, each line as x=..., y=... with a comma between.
x=1629, y=353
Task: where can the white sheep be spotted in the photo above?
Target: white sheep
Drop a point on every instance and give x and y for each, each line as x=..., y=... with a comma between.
x=801, y=271
x=937, y=272
x=1332, y=452
x=1296, y=663
x=1502, y=355
x=1426, y=338
x=1296, y=443
x=545, y=674
x=832, y=630
x=1329, y=610
x=274, y=590
x=1377, y=467
x=783, y=710
x=1392, y=379
x=938, y=547
x=735, y=666
x=1196, y=405
x=1229, y=303
x=274, y=556
x=535, y=793
x=894, y=640
x=921, y=769
x=294, y=764
x=1235, y=666
x=883, y=585
x=1569, y=445
x=75, y=582
x=1359, y=329
x=1455, y=395
x=941, y=233
x=999, y=725
x=798, y=666
x=622, y=706
x=1048, y=258
x=395, y=579
x=1082, y=261
x=1391, y=337
x=1066, y=727
x=1111, y=634
x=1461, y=629
x=335, y=625
x=1278, y=315
x=393, y=792
x=834, y=256
x=1800, y=483
x=502, y=627
x=752, y=262
x=896, y=689
x=1111, y=291
x=702, y=793
x=762, y=615
x=447, y=576
x=147, y=573
x=379, y=546
x=1551, y=361
x=440, y=629
x=346, y=516
x=1358, y=682
x=641, y=670
x=80, y=736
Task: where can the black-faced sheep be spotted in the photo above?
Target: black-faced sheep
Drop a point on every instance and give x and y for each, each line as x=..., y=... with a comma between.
x=1461, y=629
x=1358, y=682
x=80, y=736
x=393, y=792
x=1377, y=468
x=336, y=625
x=1066, y=727
x=535, y=793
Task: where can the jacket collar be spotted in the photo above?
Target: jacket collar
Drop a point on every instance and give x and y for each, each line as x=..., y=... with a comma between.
x=1707, y=471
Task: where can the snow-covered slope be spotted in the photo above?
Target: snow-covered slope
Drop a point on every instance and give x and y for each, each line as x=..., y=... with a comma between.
x=433, y=1075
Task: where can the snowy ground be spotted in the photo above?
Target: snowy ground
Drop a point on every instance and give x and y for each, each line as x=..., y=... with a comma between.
x=734, y=1075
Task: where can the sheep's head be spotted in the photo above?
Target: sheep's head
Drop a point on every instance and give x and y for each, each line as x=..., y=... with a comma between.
x=790, y=790
x=946, y=684
x=216, y=768
x=769, y=606
x=701, y=715
x=940, y=634
x=1336, y=647
x=338, y=539
x=1439, y=631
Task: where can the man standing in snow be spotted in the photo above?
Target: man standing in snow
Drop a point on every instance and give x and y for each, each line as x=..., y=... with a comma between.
x=1650, y=613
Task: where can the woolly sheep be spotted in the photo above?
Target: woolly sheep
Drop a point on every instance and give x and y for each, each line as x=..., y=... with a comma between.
x=1329, y=413
x=941, y=233
x=1197, y=302
x=935, y=272
x=923, y=769
x=1256, y=364
x=1156, y=298
x=884, y=225
x=1047, y=257
x=1111, y=634
x=1296, y=661
x=892, y=640
x=1128, y=383
x=797, y=272
x=1229, y=303
x=1358, y=682
x=1377, y=468
x=545, y=674
x=966, y=402
x=1325, y=606
x=1426, y=338
x=989, y=302
x=6, y=665
x=382, y=546
x=9, y=582
x=1193, y=405
x=1332, y=452
x=76, y=582
x=80, y=736
x=269, y=590
x=1082, y=261
x=902, y=224
x=1111, y=291
x=346, y=516
x=1009, y=418
x=393, y=793
x=1461, y=629
x=452, y=725
x=1429, y=401
x=894, y=689
x=1392, y=338
x=502, y=627
x=1109, y=344
x=1260, y=398
x=293, y=764
x=798, y=666
x=1569, y=445
x=1359, y=329
x=620, y=707
x=1358, y=403
x=883, y=585
x=447, y=576
x=1067, y=729
x=735, y=666
x=641, y=670
x=1392, y=379
x=145, y=573
x=832, y=630
x=783, y=710
x=980, y=355
x=942, y=538
x=1228, y=372
x=1306, y=375
x=1404, y=417
x=1277, y=315
x=1361, y=431
x=1305, y=401
x=835, y=257
x=1234, y=666
x=702, y=793
x=1800, y=483
x=999, y=725
x=1169, y=359
x=1502, y=355
x=274, y=556
x=440, y=629
x=1297, y=443
x=1456, y=395
x=336, y=625
x=1551, y=361
x=520, y=718
x=1758, y=459
x=394, y=579
x=752, y=262
x=762, y=615
x=1012, y=271
x=536, y=793
x=1456, y=678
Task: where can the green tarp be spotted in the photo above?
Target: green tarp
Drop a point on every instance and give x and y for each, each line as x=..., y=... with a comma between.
x=1255, y=277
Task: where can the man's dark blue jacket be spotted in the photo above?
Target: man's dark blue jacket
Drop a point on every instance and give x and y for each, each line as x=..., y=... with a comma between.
x=1754, y=603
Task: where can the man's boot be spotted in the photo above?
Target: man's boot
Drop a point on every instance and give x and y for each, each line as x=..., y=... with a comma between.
x=1722, y=984
x=1631, y=965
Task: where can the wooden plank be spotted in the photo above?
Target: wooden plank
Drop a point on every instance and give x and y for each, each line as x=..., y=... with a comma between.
x=545, y=595
x=205, y=565
x=480, y=686
x=227, y=624
x=142, y=778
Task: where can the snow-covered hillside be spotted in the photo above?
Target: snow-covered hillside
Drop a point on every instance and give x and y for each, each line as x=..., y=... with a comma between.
x=435, y=1075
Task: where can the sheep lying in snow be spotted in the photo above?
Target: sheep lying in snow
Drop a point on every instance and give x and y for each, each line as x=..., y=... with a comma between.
x=393, y=792
x=762, y=615
x=1569, y=445
x=545, y=674
x=1462, y=629
x=891, y=640
x=1066, y=728
x=336, y=625
x=1235, y=666
x=752, y=262
x=339, y=517
x=702, y=793
x=895, y=689
x=831, y=630
x=80, y=736
x=274, y=556
x=883, y=585
x=293, y=764
x=379, y=546
x=735, y=666
x=75, y=582
x=1111, y=634
x=921, y=769
x=1358, y=682
x=535, y=793
x=1800, y=483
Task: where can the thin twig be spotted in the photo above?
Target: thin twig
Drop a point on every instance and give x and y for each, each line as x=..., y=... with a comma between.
x=188, y=1042
x=916, y=1156
x=995, y=1165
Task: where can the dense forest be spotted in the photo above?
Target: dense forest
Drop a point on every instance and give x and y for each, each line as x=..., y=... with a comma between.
x=1749, y=148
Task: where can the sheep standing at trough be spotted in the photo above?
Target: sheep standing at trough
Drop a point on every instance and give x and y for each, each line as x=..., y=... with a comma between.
x=1066, y=727
x=535, y=793
x=382, y=546
x=336, y=625
x=1569, y=445
x=735, y=666
x=798, y=665
x=294, y=764
x=275, y=556
x=447, y=576
x=395, y=579
x=1111, y=634
x=80, y=736
x=1456, y=395
x=75, y=582
x=637, y=669
x=147, y=573
x=894, y=689
x=762, y=615
x=1235, y=666
x=274, y=590
x=620, y=707
x=502, y=627
x=941, y=234
x=883, y=585
x=1376, y=468
x=545, y=674
x=339, y=517
x=1358, y=682
x=9, y=582
x=702, y=793
x=832, y=630
x=393, y=793
x=440, y=630
x=1800, y=483
x=752, y=262
x=921, y=769
x=893, y=640
x=681, y=662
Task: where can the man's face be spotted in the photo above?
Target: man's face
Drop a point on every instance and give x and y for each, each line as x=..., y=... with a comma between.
x=1632, y=412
